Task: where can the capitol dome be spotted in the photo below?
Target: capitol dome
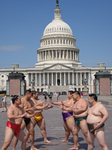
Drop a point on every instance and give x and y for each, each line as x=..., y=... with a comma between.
x=57, y=45
x=57, y=26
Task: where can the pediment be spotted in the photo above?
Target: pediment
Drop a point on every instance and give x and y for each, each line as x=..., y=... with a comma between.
x=58, y=67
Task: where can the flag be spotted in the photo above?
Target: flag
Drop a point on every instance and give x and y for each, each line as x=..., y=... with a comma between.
x=59, y=51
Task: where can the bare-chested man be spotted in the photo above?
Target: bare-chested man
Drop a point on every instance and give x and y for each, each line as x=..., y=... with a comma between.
x=97, y=115
x=15, y=114
x=80, y=105
x=39, y=119
x=68, y=119
x=29, y=107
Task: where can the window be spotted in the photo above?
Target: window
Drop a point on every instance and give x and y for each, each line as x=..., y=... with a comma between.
x=2, y=82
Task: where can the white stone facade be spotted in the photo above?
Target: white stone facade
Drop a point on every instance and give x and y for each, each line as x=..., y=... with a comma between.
x=58, y=68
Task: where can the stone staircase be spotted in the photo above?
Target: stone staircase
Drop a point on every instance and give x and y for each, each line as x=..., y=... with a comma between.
x=59, y=88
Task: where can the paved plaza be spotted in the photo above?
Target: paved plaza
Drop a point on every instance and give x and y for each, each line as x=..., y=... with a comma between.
x=55, y=131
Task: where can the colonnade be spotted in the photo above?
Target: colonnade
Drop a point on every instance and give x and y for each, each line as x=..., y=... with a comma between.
x=58, y=78
x=58, y=54
x=58, y=41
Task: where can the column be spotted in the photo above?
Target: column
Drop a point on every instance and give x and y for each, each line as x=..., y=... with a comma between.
x=89, y=78
x=52, y=80
x=73, y=55
x=35, y=79
x=64, y=78
x=68, y=78
x=84, y=75
x=60, y=79
x=39, y=79
x=60, y=54
x=56, y=78
x=44, y=78
x=45, y=55
x=70, y=55
x=76, y=78
x=78, y=56
x=63, y=54
x=72, y=78
x=47, y=78
x=56, y=54
x=81, y=78
x=27, y=79
x=67, y=54
x=52, y=54
x=31, y=77
x=38, y=56
x=49, y=55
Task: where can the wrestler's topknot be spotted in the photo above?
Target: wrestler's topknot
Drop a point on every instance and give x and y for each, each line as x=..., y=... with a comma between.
x=14, y=97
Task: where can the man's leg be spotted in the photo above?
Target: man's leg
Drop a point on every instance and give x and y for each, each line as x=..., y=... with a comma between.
x=101, y=138
x=42, y=127
x=70, y=123
x=67, y=132
x=91, y=138
x=30, y=128
x=27, y=132
x=15, y=141
x=9, y=133
x=21, y=137
x=84, y=128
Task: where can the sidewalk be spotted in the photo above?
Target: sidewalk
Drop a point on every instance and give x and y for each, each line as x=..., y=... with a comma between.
x=55, y=131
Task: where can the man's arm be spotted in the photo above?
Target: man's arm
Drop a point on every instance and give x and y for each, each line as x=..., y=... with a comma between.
x=29, y=109
x=10, y=115
x=84, y=114
x=42, y=107
x=104, y=112
x=65, y=108
x=56, y=103
x=40, y=103
x=49, y=107
x=30, y=116
x=67, y=105
x=82, y=109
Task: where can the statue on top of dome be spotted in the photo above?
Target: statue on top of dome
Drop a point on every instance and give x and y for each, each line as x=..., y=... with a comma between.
x=57, y=1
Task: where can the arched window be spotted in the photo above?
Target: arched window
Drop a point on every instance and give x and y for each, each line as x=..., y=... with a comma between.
x=2, y=82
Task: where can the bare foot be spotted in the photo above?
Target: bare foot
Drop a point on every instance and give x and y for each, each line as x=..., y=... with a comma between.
x=34, y=148
x=46, y=141
x=74, y=148
x=64, y=141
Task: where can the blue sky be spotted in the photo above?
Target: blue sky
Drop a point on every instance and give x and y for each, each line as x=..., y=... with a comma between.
x=22, y=23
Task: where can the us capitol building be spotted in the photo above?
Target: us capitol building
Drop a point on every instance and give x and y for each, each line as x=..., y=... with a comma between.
x=58, y=67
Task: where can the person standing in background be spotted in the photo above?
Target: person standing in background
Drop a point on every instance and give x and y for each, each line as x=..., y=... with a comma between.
x=4, y=102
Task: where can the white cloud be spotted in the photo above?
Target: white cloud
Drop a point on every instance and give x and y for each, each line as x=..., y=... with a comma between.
x=11, y=48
